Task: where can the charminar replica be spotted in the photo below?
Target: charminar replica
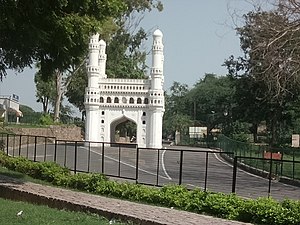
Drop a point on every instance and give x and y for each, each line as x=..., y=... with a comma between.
x=109, y=102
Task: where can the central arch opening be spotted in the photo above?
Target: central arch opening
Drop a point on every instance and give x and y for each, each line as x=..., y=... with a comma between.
x=123, y=131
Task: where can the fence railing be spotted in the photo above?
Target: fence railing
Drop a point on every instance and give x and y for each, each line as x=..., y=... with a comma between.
x=192, y=167
x=252, y=155
x=148, y=166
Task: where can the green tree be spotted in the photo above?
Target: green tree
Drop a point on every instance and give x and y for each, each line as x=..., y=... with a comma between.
x=45, y=91
x=76, y=89
x=54, y=33
x=211, y=100
x=175, y=116
x=126, y=57
x=271, y=63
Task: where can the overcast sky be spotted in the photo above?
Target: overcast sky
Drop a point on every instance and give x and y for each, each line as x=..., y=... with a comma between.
x=198, y=37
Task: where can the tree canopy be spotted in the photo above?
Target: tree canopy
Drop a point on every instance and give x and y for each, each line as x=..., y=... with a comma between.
x=267, y=75
x=126, y=55
x=52, y=32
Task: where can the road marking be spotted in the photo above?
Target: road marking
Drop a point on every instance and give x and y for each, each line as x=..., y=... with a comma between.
x=163, y=165
x=251, y=174
x=124, y=163
x=230, y=165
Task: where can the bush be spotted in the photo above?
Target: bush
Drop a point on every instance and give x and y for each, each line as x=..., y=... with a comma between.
x=228, y=206
x=46, y=119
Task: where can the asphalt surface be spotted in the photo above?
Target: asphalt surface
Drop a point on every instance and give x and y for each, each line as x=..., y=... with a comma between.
x=201, y=168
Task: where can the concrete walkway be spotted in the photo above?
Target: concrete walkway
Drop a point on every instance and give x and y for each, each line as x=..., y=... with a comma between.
x=108, y=207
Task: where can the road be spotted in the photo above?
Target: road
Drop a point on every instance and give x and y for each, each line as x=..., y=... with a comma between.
x=161, y=167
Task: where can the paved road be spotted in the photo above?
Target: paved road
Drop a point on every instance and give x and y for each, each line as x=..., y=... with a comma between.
x=161, y=167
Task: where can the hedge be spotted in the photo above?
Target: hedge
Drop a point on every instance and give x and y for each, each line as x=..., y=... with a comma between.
x=227, y=206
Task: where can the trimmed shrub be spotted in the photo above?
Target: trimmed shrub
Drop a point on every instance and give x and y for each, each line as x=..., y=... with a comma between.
x=228, y=206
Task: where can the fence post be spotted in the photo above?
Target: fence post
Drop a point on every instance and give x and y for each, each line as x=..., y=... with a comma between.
x=45, y=150
x=34, y=155
x=180, y=167
x=27, y=146
x=20, y=143
x=75, y=158
x=137, y=166
x=206, y=168
x=119, y=161
x=13, y=153
x=270, y=176
x=65, y=155
x=89, y=157
x=102, y=166
x=157, y=168
x=7, y=142
x=55, y=150
x=234, y=174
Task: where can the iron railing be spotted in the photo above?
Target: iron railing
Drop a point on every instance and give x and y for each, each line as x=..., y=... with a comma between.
x=193, y=167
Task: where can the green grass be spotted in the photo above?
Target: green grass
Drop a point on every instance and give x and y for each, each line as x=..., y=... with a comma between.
x=22, y=177
x=38, y=214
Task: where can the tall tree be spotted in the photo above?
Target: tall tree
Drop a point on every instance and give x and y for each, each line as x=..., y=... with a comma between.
x=54, y=33
x=176, y=117
x=126, y=56
x=269, y=40
x=211, y=100
x=45, y=92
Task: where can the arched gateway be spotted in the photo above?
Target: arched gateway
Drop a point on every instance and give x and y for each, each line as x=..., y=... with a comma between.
x=109, y=102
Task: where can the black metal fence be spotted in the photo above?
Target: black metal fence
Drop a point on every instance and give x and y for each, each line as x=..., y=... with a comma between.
x=193, y=167
x=142, y=165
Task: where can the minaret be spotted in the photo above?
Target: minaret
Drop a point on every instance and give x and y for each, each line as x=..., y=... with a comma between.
x=92, y=92
x=156, y=94
x=102, y=59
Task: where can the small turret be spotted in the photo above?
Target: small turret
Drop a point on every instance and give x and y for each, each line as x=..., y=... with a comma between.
x=157, y=60
x=93, y=67
x=92, y=91
x=102, y=59
x=156, y=93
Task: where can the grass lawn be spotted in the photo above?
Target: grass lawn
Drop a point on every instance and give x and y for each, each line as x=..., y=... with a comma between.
x=22, y=177
x=38, y=214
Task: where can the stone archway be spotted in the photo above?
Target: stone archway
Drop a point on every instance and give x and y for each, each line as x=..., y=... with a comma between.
x=111, y=101
x=122, y=130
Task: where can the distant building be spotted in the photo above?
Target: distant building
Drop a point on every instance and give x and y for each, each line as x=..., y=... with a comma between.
x=10, y=104
x=109, y=102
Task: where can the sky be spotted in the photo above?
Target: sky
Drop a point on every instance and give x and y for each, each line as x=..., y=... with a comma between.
x=198, y=36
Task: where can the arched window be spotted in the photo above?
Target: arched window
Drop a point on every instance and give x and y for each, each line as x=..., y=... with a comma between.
x=116, y=100
x=108, y=100
x=146, y=101
x=131, y=100
x=139, y=101
x=101, y=99
x=124, y=100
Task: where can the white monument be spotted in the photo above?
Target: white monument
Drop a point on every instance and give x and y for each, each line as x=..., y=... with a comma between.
x=109, y=102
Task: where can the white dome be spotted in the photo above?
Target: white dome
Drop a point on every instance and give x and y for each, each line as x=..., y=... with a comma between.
x=157, y=33
x=95, y=36
x=101, y=42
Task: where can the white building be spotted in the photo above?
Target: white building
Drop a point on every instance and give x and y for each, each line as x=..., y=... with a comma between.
x=109, y=102
x=10, y=104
